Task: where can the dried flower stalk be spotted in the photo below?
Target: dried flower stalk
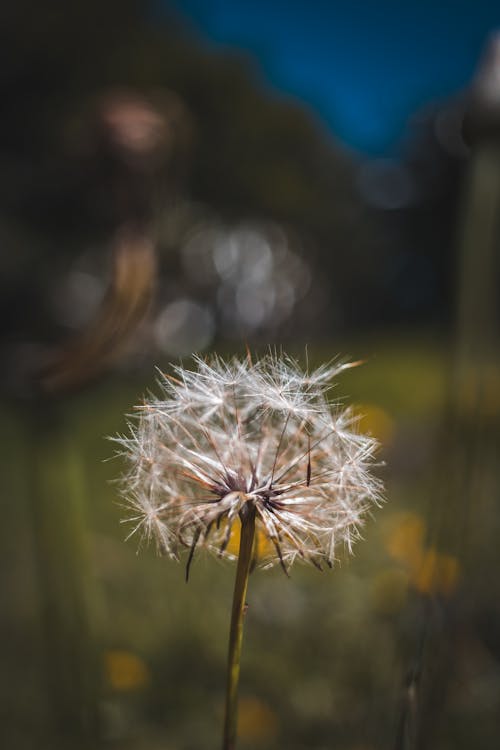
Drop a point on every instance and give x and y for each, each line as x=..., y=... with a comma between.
x=257, y=445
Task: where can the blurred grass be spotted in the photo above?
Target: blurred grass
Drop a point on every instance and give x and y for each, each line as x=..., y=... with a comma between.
x=324, y=656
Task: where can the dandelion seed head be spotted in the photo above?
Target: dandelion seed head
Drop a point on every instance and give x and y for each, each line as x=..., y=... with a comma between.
x=224, y=436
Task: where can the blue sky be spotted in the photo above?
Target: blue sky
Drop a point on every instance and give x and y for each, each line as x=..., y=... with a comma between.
x=362, y=67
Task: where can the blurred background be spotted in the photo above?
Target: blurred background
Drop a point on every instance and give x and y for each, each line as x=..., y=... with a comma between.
x=199, y=176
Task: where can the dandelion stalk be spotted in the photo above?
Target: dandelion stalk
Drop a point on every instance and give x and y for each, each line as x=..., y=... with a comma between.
x=236, y=629
x=255, y=441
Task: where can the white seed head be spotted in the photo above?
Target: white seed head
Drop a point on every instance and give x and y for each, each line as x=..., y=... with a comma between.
x=229, y=434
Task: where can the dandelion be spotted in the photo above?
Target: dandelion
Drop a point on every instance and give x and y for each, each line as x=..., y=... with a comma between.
x=255, y=448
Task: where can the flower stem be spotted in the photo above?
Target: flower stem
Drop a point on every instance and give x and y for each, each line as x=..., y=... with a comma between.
x=236, y=630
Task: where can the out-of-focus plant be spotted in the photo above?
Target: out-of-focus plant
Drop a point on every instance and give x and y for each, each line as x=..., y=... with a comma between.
x=133, y=140
x=449, y=565
x=254, y=450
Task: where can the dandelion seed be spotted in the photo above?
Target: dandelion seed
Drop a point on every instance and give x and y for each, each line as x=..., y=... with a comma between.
x=254, y=447
x=227, y=436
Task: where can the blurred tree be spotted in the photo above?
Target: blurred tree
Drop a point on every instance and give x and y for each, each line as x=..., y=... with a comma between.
x=256, y=155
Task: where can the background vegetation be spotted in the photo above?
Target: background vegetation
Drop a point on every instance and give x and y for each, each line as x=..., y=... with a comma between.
x=149, y=189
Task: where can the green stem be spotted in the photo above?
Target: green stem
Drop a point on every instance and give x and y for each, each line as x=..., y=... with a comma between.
x=236, y=631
